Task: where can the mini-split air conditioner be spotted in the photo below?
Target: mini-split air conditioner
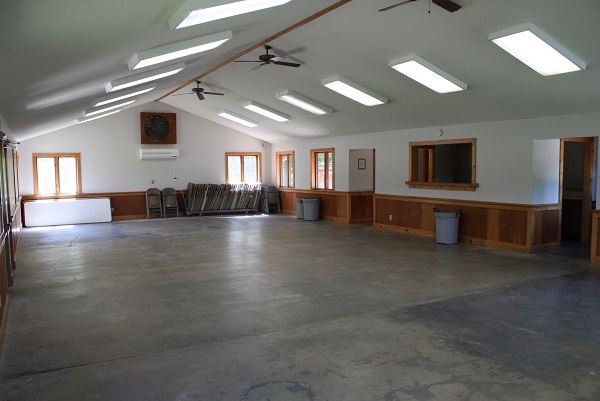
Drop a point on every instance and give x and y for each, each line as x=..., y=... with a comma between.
x=158, y=153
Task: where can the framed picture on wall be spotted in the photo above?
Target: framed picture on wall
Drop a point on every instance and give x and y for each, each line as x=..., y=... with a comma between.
x=158, y=128
x=362, y=164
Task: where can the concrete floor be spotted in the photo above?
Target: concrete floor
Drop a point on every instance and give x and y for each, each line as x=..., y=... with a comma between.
x=277, y=309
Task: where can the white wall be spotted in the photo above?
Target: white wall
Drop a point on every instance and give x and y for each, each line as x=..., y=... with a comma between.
x=360, y=180
x=546, y=171
x=109, y=150
x=110, y=146
x=504, y=156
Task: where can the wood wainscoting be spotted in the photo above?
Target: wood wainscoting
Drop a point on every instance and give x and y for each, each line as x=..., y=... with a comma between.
x=595, y=246
x=522, y=228
x=124, y=205
x=341, y=207
x=337, y=206
x=4, y=295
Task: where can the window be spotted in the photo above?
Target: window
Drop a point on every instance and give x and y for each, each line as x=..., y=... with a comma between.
x=285, y=169
x=443, y=165
x=243, y=167
x=56, y=173
x=322, y=168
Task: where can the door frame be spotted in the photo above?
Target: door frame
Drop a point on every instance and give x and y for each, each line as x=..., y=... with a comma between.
x=588, y=175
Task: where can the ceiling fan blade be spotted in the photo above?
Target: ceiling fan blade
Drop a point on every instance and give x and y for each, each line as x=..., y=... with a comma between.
x=288, y=55
x=247, y=61
x=213, y=93
x=286, y=63
x=200, y=96
x=258, y=66
x=397, y=5
x=447, y=5
x=180, y=94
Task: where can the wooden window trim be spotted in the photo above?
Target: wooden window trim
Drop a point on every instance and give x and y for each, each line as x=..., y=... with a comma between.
x=278, y=155
x=56, y=156
x=242, y=154
x=414, y=170
x=313, y=168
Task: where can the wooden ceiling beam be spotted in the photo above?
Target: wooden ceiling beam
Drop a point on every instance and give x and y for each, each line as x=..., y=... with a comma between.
x=259, y=44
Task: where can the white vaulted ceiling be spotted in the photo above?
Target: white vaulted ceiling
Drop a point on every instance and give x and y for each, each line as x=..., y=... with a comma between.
x=57, y=57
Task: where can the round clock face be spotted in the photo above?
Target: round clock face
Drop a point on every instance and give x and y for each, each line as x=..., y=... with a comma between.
x=156, y=127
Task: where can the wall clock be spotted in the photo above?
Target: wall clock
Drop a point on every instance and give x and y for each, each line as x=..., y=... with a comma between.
x=158, y=128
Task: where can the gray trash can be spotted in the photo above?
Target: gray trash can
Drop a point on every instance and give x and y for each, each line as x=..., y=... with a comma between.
x=446, y=226
x=300, y=208
x=311, y=209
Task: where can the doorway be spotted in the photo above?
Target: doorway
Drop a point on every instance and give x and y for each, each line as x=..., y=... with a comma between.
x=577, y=189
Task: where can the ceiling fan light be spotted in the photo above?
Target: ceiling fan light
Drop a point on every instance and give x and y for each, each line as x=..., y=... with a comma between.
x=144, y=77
x=267, y=112
x=354, y=91
x=94, y=117
x=304, y=103
x=238, y=119
x=178, y=50
x=194, y=12
x=124, y=94
x=427, y=74
x=537, y=50
x=100, y=109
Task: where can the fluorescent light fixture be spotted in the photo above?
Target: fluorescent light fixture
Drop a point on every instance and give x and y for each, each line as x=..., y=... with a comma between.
x=354, y=91
x=177, y=50
x=194, y=12
x=144, y=77
x=537, y=50
x=427, y=74
x=267, y=112
x=124, y=94
x=111, y=106
x=302, y=102
x=86, y=119
x=238, y=119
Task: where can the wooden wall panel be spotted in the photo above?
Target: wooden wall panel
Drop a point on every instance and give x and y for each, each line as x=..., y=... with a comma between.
x=125, y=205
x=595, y=246
x=361, y=208
x=16, y=229
x=505, y=226
x=129, y=206
x=550, y=226
x=524, y=228
x=492, y=223
x=334, y=205
x=4, y=295
x=428, y=217
x=337, y=206
x=410, y=214
x=328, y=204
x=384, y=209
x=597, y=237
x=472, y=221
x=512, y=227
x=287, y=199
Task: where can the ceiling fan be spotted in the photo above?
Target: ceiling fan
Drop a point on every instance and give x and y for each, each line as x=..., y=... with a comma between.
x=198, y=91
x=267, y=58
x=447, y=5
